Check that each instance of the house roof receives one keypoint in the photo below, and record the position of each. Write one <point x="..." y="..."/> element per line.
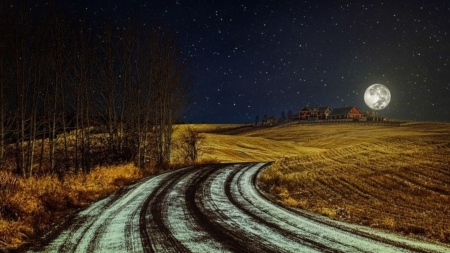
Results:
<point x="316" y="108"/>
<point x="323" y="108"/>
<point x="305" y="109"/>
<point x="342" y="110"/>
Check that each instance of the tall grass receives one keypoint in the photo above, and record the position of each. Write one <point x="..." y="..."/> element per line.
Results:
<point x="28" y="207"/>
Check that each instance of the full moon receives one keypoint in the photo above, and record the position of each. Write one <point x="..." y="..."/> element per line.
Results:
<point x="377" y="96"/>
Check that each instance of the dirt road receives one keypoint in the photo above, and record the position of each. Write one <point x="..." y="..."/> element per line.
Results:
<point x="214" y="208"/>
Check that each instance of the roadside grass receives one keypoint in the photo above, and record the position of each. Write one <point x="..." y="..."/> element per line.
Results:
<point x="395" y="178"/>
<point x="29" y="207"/>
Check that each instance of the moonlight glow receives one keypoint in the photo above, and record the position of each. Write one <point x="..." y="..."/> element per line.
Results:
<point x="377" y="96"/>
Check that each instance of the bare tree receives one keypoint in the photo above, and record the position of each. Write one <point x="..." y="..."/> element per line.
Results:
<point x="3" y="84"/>
<point x="190" y="144"/>
<point x="57" y="76"/>
<point x="154" y="84"/>
<point x="107" y="88"/>
<point x="23" y="57"/>
<point x="127" y="93"/>
<point x="79" y="102"/>
<point x="170" y="85"/>
<point x="3" y="105"/>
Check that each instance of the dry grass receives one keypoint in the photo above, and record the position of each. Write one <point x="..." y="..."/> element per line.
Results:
<point x="206" y="127"/>
<point x="396" y="178"/>
<point x="238" y="148"/>
<point x="28" y="207"/>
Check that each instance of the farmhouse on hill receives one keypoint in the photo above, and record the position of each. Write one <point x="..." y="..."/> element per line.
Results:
<point x="349" y="112"/>
<point x="312" y="113"/>
<point x="325" y="112"/>
<point x="321" y="112"/>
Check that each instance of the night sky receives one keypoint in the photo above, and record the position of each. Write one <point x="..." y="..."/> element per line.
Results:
<point x="252" y="58"/>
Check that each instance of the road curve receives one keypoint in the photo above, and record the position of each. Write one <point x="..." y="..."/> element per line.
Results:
<point x="214" y="208"/>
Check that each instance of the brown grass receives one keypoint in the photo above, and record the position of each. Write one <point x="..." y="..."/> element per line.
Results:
<point x="28" y="207"/>
<point x="238" y="148"/>
<point x="396" y="178"/>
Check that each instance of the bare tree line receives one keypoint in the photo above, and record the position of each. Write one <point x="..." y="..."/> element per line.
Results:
<point x="73" y="96"/>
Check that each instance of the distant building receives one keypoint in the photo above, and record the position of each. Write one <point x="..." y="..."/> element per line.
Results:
<point x="349" y="112"/>
<point x="372" y="116"/>
<point x="323" y="112"/>
<point x="312" y="113"/>
<point x="367" y="114"/>
<point x="304" y="113"/>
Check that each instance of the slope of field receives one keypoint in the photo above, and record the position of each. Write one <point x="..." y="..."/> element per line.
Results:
<point x="396" y="178"/>
<point x="239" y="143"/>
<point x="238" y="148"/>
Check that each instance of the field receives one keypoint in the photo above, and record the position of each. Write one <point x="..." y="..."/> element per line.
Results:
<point x="394" y="178"/>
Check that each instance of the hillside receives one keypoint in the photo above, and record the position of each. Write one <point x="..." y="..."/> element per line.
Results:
<point x="396" y="178"/>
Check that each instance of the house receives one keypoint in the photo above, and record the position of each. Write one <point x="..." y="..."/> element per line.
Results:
<point x="367" y="114"/>
<point x="349" y="112"/>
<point x="314" y="113"/>
<point x="304" y="113"/>
<point x="323" y="112"/>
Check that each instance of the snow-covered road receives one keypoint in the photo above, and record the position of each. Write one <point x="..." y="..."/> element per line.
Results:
<point x="214" y="208"/>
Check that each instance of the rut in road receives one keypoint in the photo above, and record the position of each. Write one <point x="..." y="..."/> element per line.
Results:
<point x="213" y="221"/>
<point x="214" y="208"/>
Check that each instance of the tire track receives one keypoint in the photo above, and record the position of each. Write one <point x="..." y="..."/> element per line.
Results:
<point x="91" y="223"/>
<point x="257" y="236"/>
<point x="219" y="222"/>
<point x="151" y="219"/>
<point x="183" y="220"/>
<point x="302" y="230"/>
<point x="263" y="220"/>
<point x="214" y="228"/>
<point x="115" y="212"/>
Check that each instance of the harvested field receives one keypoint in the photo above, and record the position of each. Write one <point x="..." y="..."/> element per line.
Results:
<point x="390" y="177"/>
<point x="393" y="178"/>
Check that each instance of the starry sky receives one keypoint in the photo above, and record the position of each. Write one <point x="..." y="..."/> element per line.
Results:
<point x="256" y="58"/>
